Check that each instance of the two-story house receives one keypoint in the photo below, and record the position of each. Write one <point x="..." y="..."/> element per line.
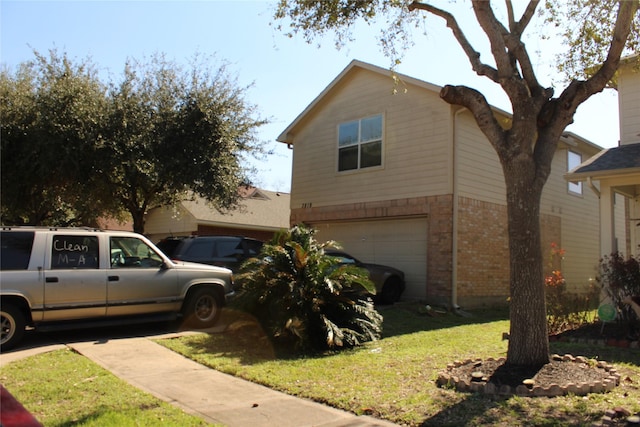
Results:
<point x="615" y="173"/>
<point x="402" y="178"/>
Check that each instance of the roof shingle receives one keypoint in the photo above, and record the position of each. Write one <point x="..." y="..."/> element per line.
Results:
<point x="618" y="159"/>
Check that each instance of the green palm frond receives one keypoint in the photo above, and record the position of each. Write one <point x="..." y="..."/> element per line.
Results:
<point x="305" y="299"/>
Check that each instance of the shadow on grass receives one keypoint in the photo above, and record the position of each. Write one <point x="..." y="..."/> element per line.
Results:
<point x="408" y="318"/>
<point x="474" y="409"/>
<point x="244" y="339"/>
<point x="78" y="332"/>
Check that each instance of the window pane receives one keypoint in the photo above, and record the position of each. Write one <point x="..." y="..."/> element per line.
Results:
<point x="575" y="187"/>
<point x="231" y="248"/>
<point x="15" y="251"/>
<point x="573" y="161"/>
<point x="132" y="252"/>
<point x="348" y="134"/>
<point x="371" y="154"/>
<point x="74" y="252"/>
<point x="348" y="158"/>
<point x="200" y="250"/>
<point x="371" y="128"/>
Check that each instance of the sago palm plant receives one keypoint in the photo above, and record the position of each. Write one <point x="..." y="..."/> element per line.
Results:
<point x="304" y="299"/>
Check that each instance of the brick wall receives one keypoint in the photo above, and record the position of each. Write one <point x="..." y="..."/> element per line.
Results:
<point x="483" y="243"/>
<point x="437" y="209"/>
<point x="439" y="249"/>
<point x="483" y="251"/>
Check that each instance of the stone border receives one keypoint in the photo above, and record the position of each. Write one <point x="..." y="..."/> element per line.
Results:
<point x="445" y="379"/>
<point x="603" y="342"/>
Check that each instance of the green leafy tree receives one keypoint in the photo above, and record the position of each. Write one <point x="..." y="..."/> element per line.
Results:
<point x="304" y="299"/>
<point x="75" y="149"/>
<point x="598" y="34"/>
<point x="52" y="113"/>
<point x="174" y="134"/>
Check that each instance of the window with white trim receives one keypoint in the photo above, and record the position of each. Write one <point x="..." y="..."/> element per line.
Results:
<point x="360" y="143"/>
<point x="574" y="160"/>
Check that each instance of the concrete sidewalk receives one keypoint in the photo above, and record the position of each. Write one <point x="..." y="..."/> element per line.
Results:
<point x="207" y="393"/>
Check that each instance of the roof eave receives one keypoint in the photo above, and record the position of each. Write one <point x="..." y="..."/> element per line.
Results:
<point x="287" y="136"/>
<point x="239" y="225"/>
<point x="601" y="175"/>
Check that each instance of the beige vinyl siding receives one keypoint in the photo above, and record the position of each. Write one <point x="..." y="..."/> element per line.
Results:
<point x="579" y="214"/>
<point x="415" y="122"/>
<point x="480" y="174"/>
<point x="480" y="177"/>
<point x="167" y="221"/>
<point x="629" y="102"/>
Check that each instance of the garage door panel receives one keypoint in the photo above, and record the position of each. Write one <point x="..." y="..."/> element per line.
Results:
<point x="400" y="243"/>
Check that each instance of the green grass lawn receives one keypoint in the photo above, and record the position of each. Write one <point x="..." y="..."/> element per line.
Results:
<point x="62" y="388"/>
<point x="394" y="378"/>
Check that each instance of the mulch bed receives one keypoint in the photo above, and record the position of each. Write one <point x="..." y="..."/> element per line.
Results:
<point x="561" y="376"/>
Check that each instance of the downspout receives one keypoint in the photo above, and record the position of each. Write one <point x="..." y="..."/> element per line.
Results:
<point x="455" y="205"/>
<point x="593" y="187"/>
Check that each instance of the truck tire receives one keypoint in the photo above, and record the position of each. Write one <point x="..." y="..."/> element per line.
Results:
<point x="12" y="322"/>
<point x="202" y="308"/>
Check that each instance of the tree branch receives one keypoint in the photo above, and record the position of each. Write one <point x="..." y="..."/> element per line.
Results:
<point x="474" y="56"/>
<point x="510" y="14"/>
<point x="524" y="21"/>
<point x="511" y="55"/>
<point x="497" y="35"/>
<point x="579" y="91"/>
<point x="475" y="102"/>
<point x="621" y="31"/>
<point x="515" y="45"/>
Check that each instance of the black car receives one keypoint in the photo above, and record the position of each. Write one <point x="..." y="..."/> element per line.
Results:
<point x="389" y="281"/>
<point x="223" y="251"/>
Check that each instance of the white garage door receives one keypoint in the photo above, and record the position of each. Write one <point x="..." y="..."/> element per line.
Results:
<point x="400" y="243"/>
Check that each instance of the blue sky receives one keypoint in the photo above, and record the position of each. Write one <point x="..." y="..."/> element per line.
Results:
<point x="286" y="73"/>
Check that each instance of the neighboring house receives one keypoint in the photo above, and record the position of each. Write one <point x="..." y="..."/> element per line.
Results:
<point x="107" y="223"/>
<point x="402" y="178"/>
<point x="614" y="174"/>
<point x="260" y="214"/>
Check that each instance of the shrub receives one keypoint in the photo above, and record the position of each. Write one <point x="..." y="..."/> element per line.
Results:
<point x="565" y="310"/>
<point x="304" y="299"/>
<point x="620" y="278"/>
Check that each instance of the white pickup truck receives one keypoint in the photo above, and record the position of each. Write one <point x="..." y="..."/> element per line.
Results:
<point x="76" y="277"/>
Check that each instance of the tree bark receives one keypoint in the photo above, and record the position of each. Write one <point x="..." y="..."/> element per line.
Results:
<point x="528" y="337"/>
<point x="138" y="220"/>
<point x="526" y="149"/>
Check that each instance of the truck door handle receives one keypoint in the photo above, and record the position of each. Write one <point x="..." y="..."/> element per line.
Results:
<point x="51" y="280"/>
<point x="114" y="278"/>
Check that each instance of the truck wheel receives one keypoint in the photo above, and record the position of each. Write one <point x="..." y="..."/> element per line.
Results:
<point x="202" y="308"/>
<point x="12" y="323"/>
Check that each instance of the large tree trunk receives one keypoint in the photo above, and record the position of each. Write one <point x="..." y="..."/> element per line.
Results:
<point x="528" y="338"/>
<point x="138" y="220"/>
